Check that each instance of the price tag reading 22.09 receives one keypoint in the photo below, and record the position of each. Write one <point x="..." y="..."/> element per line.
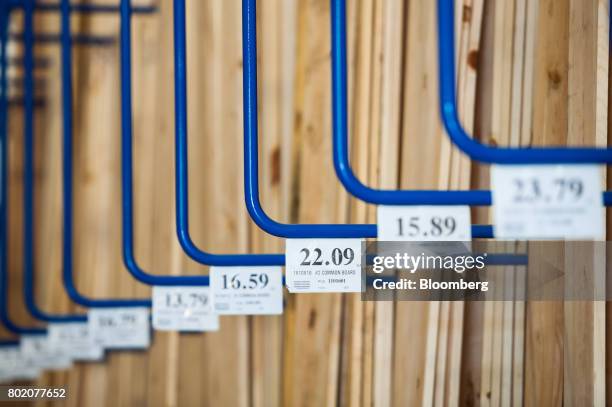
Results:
<point x="247" y="290"/>
<point x="323" y="265"/>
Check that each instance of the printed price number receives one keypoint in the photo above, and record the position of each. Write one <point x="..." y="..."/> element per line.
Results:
<point x="424" y="223"/>
<point x="186" y="300"/>
<point x="236" y="281"/>
<point x="247" y="290"/>
<point x="531" y="190"/>
<point x="339" y="257"/>
<point x="436" y="226"/>
<point x="118" y="321"/>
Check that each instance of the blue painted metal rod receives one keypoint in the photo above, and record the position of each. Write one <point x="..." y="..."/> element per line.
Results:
<point x="472" y="147"/>
<point x="28" y="189"/>
<point x="77" y="39"/>
<point x="93" y="8"/>
<point x="4" y="272"/>
<point x="39" y="62"/>
<point x="182" y="183"/>
<point x="341" y="146"/>
<point x="340" y="119"/>
<point x="67" y="176"/>
<point x="20" y="102"/>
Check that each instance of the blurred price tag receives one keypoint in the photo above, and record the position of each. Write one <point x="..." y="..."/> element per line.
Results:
<point x="323" y="265"/>
<point x="247" y="290"/>
<point x="74" y="340"/>
<point x="14" y="367"/>
<point x="120" y="328"/>
<point x="548" y="202"/>
<point x="187" y="309"/>
<point x="37" y="352"/>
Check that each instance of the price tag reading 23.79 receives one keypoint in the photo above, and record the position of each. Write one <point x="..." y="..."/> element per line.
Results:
<point x="323" y="265"/>
<point x="548" y="202"/>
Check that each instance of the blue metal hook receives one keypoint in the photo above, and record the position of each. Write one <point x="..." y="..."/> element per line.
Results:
<point x="4" y="274"/>
<point x="475" y="149"/>
<point x="129" y="258"/>
<point x="28" y="189"/>
<point x="341" y="148"/>
<point x="251" y="165"/>
<point x="182" y="184"/>
<point x="93" y="8"/>
<point x="78" y="39"/>
<point x="67" y="192"/>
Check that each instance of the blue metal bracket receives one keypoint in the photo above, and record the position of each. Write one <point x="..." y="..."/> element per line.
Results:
<point x="67" y="172"/>
<point x="77" y="39"/>
<point x="182" y="184"/>
<point x="472" y="147"/>
<point x="341" y="147"/>
<point x="28" y="189"/>
<point x="4" y="273"/>
<point x="251" y="165"/>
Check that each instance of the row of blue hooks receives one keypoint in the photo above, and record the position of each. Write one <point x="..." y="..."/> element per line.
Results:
<point x="66" y="39"/>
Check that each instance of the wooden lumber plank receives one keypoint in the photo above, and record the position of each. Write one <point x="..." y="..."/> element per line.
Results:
<point x="587" y="125"/>
<point x="544" y="320"/>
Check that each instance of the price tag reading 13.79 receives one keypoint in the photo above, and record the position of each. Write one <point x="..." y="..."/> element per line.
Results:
<point x="548" y="202"/>
<point x="186" y="309"/>
<point x="323" y="265"/>
<point x="247" y="290"/>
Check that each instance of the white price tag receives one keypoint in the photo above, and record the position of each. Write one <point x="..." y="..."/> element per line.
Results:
<point x="37" y="352"/>
<point x="74" y="340"/>
<point x="187" y="309"/>
<point x="247" y="290"/>
<point x="120" y="328"/>
<point x="424" y="223"/>
<point x="14" y="367"/>
<point x="548" y="202"/>
<point x="323" y="265"/>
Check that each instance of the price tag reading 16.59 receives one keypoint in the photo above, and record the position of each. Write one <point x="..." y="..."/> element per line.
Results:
<point x="548" y="201"/>
<point x="323" y="265"/>
<point x="247" y="290"/>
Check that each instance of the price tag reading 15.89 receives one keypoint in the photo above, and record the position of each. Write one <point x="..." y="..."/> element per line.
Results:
<point x="424" y="223"/>
<point x="247" y="290"/>
<point x="323" y="265"/>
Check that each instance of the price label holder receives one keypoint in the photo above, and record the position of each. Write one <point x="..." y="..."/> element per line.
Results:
<point x="75" y="340"/>
<point x="424" y="223"/>
<point x="120" y="328"/>
<point x="323" y="265"/>
<point x="548" y="202"/>
<point x="14" y="367"/>
<point x="247" y="290"/>
<point x="186" y="309"/>
<point x="36" y="352"/>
